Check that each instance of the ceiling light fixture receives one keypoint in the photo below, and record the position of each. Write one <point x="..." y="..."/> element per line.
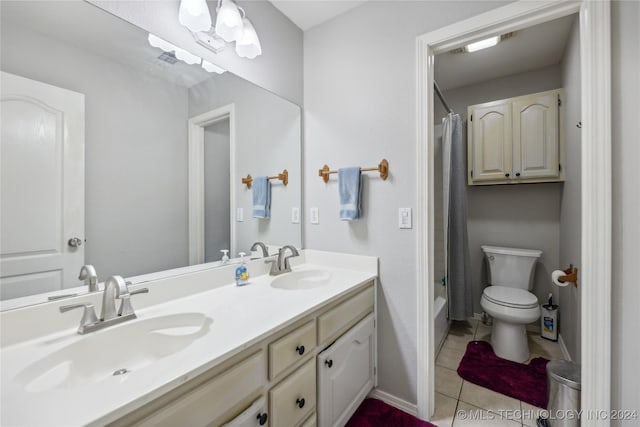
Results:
<point x="482" y="44"/>
<point x="194" y="14"/>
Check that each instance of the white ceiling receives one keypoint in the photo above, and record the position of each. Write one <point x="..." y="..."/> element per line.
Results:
<point x="309" y="13"/>
<point x="529" y="49"/>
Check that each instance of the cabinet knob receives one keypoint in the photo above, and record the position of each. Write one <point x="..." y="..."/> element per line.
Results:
<point x="507" y="175"/>
<point x="300" y="350"/>
<point x="517" y="173"/>
<point x="329" y="362"/>
<point x="300" y="403"/>
<point x="262" y="418"/>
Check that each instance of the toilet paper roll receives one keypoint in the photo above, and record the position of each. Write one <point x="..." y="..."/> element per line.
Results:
<point x="555" y="275"/>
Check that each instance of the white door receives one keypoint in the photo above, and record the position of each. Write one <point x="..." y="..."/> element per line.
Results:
<point x="490" y="142"/>
<point x="42" y="206"/>
<point x="535" y="135"/>
<point x="346" y="374"/>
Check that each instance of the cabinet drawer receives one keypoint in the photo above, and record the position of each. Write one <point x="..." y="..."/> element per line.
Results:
<point x="311" y="421"/>
<point x="208" y="402"/>
<point x="252" y="416"/>
<point x="287" y="407"/>
<point x="339" y="319"/>
<point x="291" y="348"/>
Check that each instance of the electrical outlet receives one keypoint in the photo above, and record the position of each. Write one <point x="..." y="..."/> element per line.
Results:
<point x="295" y="215"/>
<point x="404" y="217"/>
<point x="314" y="214"/>
<point x="240" y="214"/>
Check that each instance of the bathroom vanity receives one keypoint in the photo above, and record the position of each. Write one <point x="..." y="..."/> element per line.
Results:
<point x="297" y="349"/>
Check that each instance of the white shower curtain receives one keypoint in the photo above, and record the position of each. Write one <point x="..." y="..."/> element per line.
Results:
<point x="454" y="202"/>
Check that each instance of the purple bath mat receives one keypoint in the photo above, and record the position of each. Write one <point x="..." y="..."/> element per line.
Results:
<point x="528" y="383"/>
<point x="376" y="413"/>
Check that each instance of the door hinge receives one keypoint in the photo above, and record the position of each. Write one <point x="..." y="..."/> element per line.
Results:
<point x="559" y="101"/>
<point x="471" y="173"/>
<point x="375" y="370"/>
<point x="471" y="118"/>
<point x="374" y="323"/>
<point x="560" y="167"/>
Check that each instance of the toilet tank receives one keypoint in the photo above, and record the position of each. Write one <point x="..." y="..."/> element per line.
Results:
<point x="511" y="267"/>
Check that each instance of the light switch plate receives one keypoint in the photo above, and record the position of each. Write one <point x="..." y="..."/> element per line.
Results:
<point x="404" y="218"/>
<point x="295" y="215"/>
<point x="314" y="215"/>
<point x="240" y="214"/>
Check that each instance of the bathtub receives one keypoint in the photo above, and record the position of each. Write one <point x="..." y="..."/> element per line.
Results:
<point x="440" y="321"/>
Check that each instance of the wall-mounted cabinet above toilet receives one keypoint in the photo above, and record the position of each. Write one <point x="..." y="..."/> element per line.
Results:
<point x="516" y="140"/>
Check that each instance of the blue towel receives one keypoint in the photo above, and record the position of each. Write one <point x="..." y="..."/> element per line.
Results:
<point x="349" y="187"/>
<point x="261" y="197"/>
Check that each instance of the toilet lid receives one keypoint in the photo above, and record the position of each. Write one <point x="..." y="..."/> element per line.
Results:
<point x="510" y="297"/>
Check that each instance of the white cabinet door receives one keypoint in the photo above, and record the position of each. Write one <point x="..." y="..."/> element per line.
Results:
<point x="490" y="142"/>
<point x="42" y="186"/>
<point x="535" y="136"/>
<point x="346" y="374"/>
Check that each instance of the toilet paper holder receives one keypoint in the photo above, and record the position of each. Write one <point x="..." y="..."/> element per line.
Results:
<point x="571" y="275"/>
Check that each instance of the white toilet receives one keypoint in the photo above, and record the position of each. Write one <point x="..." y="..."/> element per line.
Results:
<point x="508" y="300"/>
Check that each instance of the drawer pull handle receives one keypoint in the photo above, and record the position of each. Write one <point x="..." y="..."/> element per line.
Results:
<point x="262" y="418"/>
<point x="300" y="350"/>
<point x="329" y="362"/>
<point x="300" y="403"/>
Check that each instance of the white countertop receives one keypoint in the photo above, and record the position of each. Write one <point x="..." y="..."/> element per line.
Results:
<point x="241" y="317"/>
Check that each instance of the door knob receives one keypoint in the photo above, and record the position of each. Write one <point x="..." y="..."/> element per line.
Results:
<point x="74" y="242"/>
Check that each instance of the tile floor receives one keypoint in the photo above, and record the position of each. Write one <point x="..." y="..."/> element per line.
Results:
<point x="457" y="400"/>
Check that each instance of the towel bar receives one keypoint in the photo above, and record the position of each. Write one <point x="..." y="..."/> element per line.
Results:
<point x="284" y="177"/>
<point x="383" y="168"/>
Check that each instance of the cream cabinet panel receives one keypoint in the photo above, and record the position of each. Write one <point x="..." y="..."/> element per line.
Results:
<point x="491" y="151"/>
<point x="346" y="374"/>
<point x="211" y="401"/>
<point x="311" y="422"/>
<point x="294" y="399"/>
<point x="254" y="416"/>
<point x="516" y="140"/>
<point x="535" y="135"/>
<point x="337" y="320"/>
<point x="291" y="348"/>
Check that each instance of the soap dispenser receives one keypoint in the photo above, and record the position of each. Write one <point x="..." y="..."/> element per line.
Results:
<point x="225" y="256"/>
<point x="242" y="274"/>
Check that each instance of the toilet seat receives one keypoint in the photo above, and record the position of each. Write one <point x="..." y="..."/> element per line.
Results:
<point x="510" y="297"/>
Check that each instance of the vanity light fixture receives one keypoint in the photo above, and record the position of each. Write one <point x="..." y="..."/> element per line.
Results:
<point x="194" y="14"/>
<point x="248" y="45"/>
<point x="180" y="53"/>
<point x="228" y="21"/>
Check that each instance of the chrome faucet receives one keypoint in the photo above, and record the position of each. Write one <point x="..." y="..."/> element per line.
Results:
<point x="114" y="288"/>
<point x="282" y="265"/>
<point x="90" y="277"/>
<point x="262" y="246"/>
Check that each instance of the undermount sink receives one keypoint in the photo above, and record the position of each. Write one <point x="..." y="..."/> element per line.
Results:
<point x="302" y="280"/>
<point x="116" y="351"/>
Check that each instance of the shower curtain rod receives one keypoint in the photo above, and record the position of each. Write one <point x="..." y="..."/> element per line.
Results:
<point x="446" y="106"/>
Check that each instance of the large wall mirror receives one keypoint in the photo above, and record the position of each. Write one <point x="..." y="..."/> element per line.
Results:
<point x="96" y="160"/>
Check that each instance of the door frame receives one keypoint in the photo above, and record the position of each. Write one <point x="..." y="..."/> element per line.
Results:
<point x="196" y="179"/>
<point x="595" y="68"/>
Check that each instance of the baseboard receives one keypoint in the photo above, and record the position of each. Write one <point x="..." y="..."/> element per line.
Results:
<point x="563" y="348"/>
<point x="394" y="401"/>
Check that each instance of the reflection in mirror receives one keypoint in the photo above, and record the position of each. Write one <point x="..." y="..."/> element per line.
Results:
<point x="97" y="146"/>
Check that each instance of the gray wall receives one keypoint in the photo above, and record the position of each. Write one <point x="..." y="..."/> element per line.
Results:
<point x="135" y="169"/>
<point x="278" y="69"/>
<point x="625" y="67"/>
<point x="570" y="211"/>
<point x="267" y="141"/>
<point x="216" y="190"/>
<point x="359" y="80"/>
<point x="521" y="216"/>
